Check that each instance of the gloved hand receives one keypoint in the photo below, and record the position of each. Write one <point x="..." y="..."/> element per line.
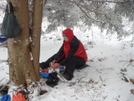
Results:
<point x="55" y="65"/>
<point x="52" y="63"/>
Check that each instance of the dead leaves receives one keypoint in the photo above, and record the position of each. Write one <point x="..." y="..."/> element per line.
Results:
<point x="92" y="82"/>
<point x="127" y="79"/>
<point x="91" y="60"/>
<point x="43" y="92"/>
<point x="99" y="59"/>
<point x="132" y="80"/>
<point x="132" y="91"/>
<point x="102" y="59"/>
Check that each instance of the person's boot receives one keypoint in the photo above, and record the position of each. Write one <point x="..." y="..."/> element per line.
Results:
<point x="67" y="77"/>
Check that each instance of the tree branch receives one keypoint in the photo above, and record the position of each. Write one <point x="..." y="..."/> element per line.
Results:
<point x="63" y="12"/>
<point x="83" y="7"/>
<point x="80" y="6"/>
<point x="111" y="1"/>
<point x="2" y="80"/>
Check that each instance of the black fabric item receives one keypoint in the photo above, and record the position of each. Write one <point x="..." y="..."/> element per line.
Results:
<point x="9" y="8"/>
<point x="3" y="91"/>
<point x="43" y="65"/>
<point x="52" y="80"/>
<point x="10" y="26"/>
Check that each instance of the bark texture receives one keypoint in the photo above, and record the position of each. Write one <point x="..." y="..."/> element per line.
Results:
<point x="24" y="50"/>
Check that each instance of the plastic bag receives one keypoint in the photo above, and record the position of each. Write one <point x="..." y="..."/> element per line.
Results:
<point x="10" y="26"/>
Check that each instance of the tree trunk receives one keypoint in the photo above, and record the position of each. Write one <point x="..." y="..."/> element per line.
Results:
<point x="36" y="33"/>
<point x="24" y="60"/>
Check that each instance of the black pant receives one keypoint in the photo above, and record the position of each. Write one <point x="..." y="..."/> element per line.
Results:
<point x="73" y="63"/>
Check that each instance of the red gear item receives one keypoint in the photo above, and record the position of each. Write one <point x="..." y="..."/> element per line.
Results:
<point x="45" y="70"/>
<point x="18" y="97"/>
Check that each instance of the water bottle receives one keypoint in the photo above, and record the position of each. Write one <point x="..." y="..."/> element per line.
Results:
<point x="61" y="69"/>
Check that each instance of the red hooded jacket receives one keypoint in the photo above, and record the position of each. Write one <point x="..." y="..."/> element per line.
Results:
<point x="80" y="52"/>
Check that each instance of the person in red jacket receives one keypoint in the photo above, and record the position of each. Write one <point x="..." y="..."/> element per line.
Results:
<point x="72" y="55"/>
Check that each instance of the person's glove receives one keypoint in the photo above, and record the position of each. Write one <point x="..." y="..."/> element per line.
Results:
<point x="55" y="65"/>
<point x="52" y="63"/>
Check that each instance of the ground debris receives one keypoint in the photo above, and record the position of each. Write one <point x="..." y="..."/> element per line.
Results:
<point x="132" y="80"/>
<point x="43" y="92"/>
<point x="125" y="79"/>
<point x="132" y="91"/>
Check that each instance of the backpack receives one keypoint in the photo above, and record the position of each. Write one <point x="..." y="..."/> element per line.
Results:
<point x="10" y="27"/>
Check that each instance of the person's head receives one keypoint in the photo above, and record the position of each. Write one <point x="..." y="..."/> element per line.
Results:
<point x="65" y="37"/>
<point x="68" y="35"/>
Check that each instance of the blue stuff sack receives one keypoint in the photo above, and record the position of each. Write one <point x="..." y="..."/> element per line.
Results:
<point x="44" y="74"/>
<point x="6" y="97"/>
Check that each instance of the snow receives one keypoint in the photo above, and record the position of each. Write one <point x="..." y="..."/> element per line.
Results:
<point x="104" y="78"/>
<point x="101" y="81"/>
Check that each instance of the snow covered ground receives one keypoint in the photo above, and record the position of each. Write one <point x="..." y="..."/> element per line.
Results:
<point x="109" y="76"/>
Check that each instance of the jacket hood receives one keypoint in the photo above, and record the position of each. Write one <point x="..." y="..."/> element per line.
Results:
<point x="69" y="33"/>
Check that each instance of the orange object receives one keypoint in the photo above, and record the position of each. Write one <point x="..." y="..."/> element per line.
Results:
<point x="45" y="70"/>
<point x="18" y="97"/>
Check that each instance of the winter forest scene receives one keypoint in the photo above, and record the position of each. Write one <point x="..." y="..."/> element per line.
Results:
<point x="31" y="31"/>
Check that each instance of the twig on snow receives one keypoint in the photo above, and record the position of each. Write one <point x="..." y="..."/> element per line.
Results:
<point x="2" y="79"/>
<point x="130" y="61"/>
<point x="3" y="61"/>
